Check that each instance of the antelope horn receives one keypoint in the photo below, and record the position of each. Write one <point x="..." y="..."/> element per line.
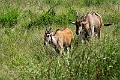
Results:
<point x="76" y="16"/>
<point x="46" y="26"/>
<point x="50" y="28"/>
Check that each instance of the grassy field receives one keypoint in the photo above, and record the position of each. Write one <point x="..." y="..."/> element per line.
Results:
<point x="24" y="57"/>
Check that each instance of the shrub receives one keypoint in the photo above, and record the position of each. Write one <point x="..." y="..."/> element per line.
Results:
<point x="71" y="14"/>
<point x="61" y="19"/>
<point x="66" y="18"/>
<point x="9" y="17"/>
<point x="45" y="17"/>
<point x="26" y="18"/>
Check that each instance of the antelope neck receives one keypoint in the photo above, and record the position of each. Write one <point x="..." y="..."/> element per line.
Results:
<point x="53" y="40"/>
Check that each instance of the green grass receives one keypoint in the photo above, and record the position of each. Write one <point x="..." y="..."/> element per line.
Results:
<point x="24" y="57"/>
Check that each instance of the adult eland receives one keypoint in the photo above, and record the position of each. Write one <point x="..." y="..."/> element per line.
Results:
<point x="61" y="39"/>
<point x="89" y="25"/>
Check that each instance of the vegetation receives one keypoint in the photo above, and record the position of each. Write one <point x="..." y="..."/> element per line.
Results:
<point x="24" y="57"/>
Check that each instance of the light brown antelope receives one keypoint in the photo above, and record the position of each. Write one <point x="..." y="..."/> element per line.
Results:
<point x="61" y="39"/>
<point x="89" y="25"/>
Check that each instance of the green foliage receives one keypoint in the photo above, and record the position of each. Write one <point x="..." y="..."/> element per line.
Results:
<point x="61" y="19"/>
<point x="51" y="17"/>
<point x="116" y="30"/>
<point x="25" y="18"/>
<point x="45" y="17"/>
<point x="65" y="18"/>
<point x="99" y="2"/>
<point x="9" y="17"/>
<point x="112" y="17"/>
<point x="71" y="14"/>
<point x="93" y="2"/>
<point x="106" y="63"/>
<point x="51" y="2"/>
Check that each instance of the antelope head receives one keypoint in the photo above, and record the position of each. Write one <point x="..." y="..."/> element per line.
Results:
<point x="47" y="36"/>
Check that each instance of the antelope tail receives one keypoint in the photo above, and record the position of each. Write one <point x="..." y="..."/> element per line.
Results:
<point x="107" y="24"/>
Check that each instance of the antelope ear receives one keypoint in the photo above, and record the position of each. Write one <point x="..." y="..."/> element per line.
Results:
<point x="51" y="33"/>
<point x="73" y="23"/>
<point x="50" y="29"/>
<point x="46" y="31"/>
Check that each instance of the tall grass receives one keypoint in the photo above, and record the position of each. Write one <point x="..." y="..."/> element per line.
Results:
<point x="24" y="57"/>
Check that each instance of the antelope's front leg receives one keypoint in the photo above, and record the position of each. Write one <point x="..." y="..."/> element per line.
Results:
<point x="82" y="37"/>
<point x="61" y="50"/>
<point x="92" y="31"/>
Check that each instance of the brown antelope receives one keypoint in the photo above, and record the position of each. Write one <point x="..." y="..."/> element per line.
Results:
<point x="61" y="39"/>
<point x="89" y="25"/>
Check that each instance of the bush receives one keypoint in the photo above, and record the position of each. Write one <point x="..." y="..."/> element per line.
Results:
<point x="66" y="18"/>
<point x="26" y="18"/>
<point x="9" y="17"/>
<point x="45" y="17"/>
<point x="61" y="19"/>
<point x="71" y="14"/>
